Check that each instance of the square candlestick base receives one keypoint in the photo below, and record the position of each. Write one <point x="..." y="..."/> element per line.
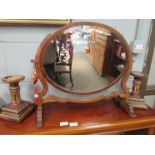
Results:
<point x="138" y="103"/>
<point x="16" y="113"/>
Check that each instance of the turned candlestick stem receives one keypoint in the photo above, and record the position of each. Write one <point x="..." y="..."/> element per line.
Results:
<point x="14" y="88"/>
<point x="15" y="94"/>
<point x="135" y="98"/>
<point x="137" y="82"/>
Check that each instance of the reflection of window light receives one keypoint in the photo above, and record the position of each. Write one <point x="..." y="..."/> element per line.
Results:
<point x="123" y="55"/>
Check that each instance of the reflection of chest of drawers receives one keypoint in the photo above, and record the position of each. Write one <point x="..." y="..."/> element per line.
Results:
<point x="99" y="51"/>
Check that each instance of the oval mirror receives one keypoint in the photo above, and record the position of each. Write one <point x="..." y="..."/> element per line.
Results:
<point x="84" y="58"/>
<point x="83" y="62"/>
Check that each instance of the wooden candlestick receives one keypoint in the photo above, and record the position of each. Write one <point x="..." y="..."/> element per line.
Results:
<point x="137" y="82"/>
<point x="135" y="98"/>
<point x="17" y="109"/>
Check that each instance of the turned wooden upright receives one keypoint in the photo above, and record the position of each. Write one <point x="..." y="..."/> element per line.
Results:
<point x="17" y="109"/>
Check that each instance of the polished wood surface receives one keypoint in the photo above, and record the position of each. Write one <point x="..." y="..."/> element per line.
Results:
<point x="99" y="118"/>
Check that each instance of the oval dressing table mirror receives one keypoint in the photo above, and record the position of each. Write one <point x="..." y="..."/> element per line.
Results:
<point x="83" y="62"/>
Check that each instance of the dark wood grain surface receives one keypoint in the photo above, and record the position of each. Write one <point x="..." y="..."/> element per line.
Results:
<point x="99" y="118"/>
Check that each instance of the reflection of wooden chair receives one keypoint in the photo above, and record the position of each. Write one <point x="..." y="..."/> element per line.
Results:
<point x="65" y="67"/>
<point x="49" y="58"/>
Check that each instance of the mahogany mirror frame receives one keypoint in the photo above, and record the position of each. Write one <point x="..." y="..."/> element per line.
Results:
<point x="123" y="96"/>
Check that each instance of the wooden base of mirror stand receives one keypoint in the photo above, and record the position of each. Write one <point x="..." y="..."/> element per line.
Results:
<point x="128" y="107"/>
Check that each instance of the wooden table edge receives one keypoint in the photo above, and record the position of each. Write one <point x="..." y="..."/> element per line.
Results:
<point x="105" y="128"/>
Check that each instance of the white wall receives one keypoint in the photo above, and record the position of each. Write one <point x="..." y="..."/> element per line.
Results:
<point x="18" y="46"/>
<point x="151" y="79"/>
<point x="124" y="26"/>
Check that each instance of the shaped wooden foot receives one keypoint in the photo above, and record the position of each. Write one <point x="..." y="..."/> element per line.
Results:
<point x="128" y="107"/>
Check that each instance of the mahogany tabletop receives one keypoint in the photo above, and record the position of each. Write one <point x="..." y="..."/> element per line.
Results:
<point x="98" y="118"/>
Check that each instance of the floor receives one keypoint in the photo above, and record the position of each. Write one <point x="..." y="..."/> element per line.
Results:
<point x="85" y="76"/>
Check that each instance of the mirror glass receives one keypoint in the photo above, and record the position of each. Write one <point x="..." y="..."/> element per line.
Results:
<point x="84" y="59"/>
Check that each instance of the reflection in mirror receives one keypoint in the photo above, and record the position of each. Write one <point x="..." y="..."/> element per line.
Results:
<point x="84" y="59"/>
